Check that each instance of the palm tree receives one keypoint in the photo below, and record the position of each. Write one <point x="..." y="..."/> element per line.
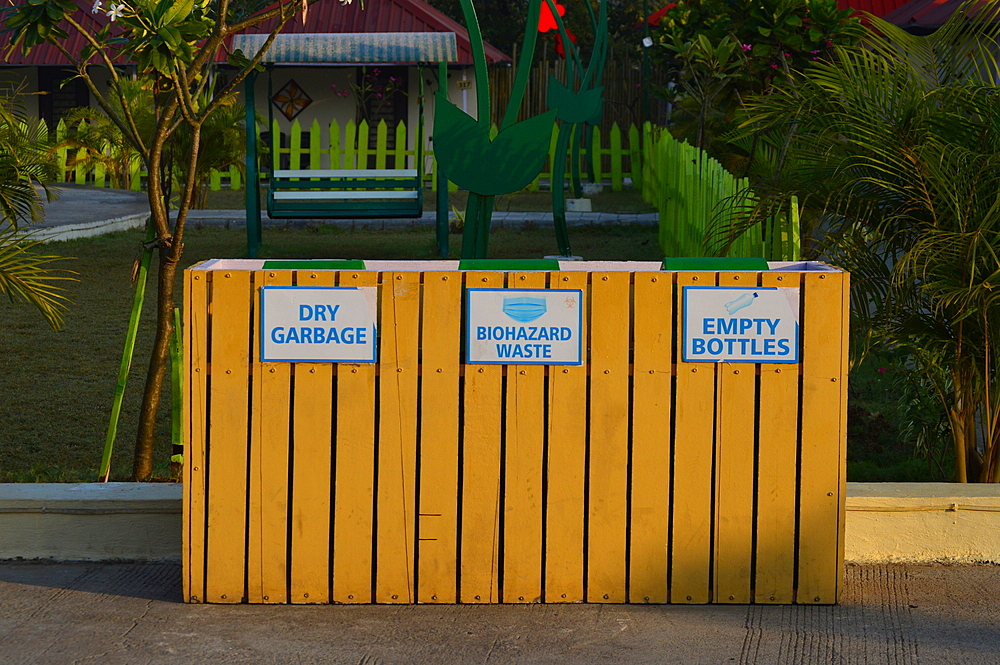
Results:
<point x="897" y="152"/>
<point x="25" y="162"/>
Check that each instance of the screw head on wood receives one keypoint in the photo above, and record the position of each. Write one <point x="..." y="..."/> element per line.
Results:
<point x="224" y="595"/>
<point x="312" y="370"/>
<point x="270" y="274"/>
<point x="435" y="597"/>
<point x="228" y="275"/>
<point x="350" y="597"/>
<point x="312" y="276"/>
<point x="266" y="598"/>
<point x="521" y="277"/>
<point x="565" y="279"/>
<point x="816" y="599"/>
<point x="653" y="280"/>
<point x="445" y="278"/>
<point x="735" y="277"/>
<point x="520" y="597"/>
<point x="477" y="598"/>
<point x="606" y="596"/>
<point x="395" y="597"/>
<point x="439" y="370"/>
<point x="399" y="369"/>
<point x="689" y="597"/>
<point x="564" y="595"/>
<point x="732" y="598"/>
<point x="605" y="278"/>
<point x="399" y="277"/>
<point x="305" y="595"/>
<point x="694" y="279"/>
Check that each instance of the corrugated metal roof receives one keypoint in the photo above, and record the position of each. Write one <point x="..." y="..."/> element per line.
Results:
<point x="371" y="47"/>
<point x="876" y="7"/>
<point x="324" y="17"/>
<point x="924" y="13"/>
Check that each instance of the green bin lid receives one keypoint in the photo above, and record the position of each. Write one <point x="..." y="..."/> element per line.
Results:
<point x="713" y="263"/>
<point x="506" y="265"/>
<point x="314" y="264"/>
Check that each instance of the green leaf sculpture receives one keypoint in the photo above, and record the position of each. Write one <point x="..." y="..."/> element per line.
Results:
<point x="574" y="106"/>
<point x="506" y="164"/>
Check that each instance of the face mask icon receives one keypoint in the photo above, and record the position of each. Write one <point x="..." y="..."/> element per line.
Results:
<point x="524" y="309"/>
<point x="744" y="300"/>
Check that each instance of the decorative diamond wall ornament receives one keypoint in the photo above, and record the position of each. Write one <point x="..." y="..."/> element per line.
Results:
<point x="291" y="99"/>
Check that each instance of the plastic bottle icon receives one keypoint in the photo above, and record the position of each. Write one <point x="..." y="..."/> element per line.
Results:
<point x="744" y="300"/>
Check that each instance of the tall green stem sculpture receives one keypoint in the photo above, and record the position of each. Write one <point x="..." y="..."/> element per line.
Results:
<point x="578" y="108"/>
<point x="487" y="167"/>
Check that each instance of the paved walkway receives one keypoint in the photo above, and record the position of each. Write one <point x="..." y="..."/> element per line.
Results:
<point x="82" y="211"/>
<point x="131" y="613"/>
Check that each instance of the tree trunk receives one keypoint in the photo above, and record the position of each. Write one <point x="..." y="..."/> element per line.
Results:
<point x="143" y="464"/>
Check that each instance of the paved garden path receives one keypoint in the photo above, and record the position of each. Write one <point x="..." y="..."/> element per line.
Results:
<point x="82" y="211"/>
<point x="131" y="613"/>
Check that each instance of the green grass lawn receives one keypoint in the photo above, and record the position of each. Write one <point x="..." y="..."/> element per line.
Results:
<point x="57" y="387"/>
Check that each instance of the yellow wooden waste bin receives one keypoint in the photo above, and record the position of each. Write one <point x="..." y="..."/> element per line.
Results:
<point x="648" y="458"/>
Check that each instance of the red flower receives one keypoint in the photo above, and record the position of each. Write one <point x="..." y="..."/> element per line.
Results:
<point x="546" y="21"/>
<point x="657" y="16"/>
<point x="559" y="43"/>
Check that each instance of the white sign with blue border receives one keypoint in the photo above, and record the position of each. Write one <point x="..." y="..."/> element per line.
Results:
<point x="318" y="324"/>
<point x="524" y="326"/>
<point x="758" y="324"/>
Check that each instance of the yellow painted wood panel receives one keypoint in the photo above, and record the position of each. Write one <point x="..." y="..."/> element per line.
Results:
<point x="437" y="547"/>
<point x="267" y="554"/>
<point x="735" y="402"/>
<point x="354" y="473"/>
<point x="693" y="459"/>
<point x="524" y="449"/>
<point x="609" y="413"/>
<point x="480" y="525"/>
<point x="196" y="396"/>
<point x="312" y="452"/>
<point x="397" y="441"/>
<point x="652" y="381"/>
<point x="567" y="461"/>
<point x="229" y="408"/>
<point x="823" y="392"/>
<point x="845" y="336"/>
<point x="735" y="487"/>
<point x="776" y="473"/>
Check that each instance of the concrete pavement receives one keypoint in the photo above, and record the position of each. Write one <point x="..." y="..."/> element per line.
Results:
<point x="131" y="613"/>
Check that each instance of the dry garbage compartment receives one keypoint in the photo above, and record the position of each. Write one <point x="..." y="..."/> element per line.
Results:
<point x="517" y="432"/>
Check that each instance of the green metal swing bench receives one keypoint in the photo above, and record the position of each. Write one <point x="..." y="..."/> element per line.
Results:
<point x="342" y="193"/>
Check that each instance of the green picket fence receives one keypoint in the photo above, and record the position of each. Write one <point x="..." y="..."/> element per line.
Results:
<point x="615" y="157"/>
<point x="696" y="197"/>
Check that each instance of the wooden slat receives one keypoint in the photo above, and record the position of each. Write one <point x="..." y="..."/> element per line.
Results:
<point x="736" y="401"/>
<point x="312" y="432"/>
<point x="346" y="173"/>
<point x="652" y="381"/>
<point x="341" y="194"/>
<point x="195" y="377"/>
<point x="437" y="549"/>
<point x="525" y="441"/>
<point x="845" y="336"/>
<point x="397" y="441"/>
<point x="267" y="554"/>
<point x="823" y="394"/>
<point x="354" y="473"/>
<point x="566" y="464"/>
<point x="693" y="460"/>
<point x="776" y="463"/>
<point x="227" y="436"/>
<point x="608" y="447"/>
<point x="480" y="525"/>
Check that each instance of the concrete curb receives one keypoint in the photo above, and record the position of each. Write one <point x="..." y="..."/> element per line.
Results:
<point x="89" y="229"/>
<point x="923" y="523"/>
<point x="886" y="522"/>
<point x="90" y="521"/>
